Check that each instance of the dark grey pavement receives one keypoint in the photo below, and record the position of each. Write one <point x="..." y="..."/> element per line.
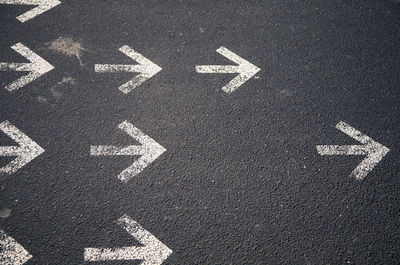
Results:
<point x="241" y="181"/>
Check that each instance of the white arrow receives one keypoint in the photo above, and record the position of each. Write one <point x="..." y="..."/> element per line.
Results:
<point x="146" y="68"/>
<point x="149" y="150"/>
<point x="42" y="6"/>
<point x="373" y="150"/>
<point x="153" y="251"/>
<point x="37" y="67"/>
<point x="25" y="152"/>
<point x="245" y="69"/>
<point x="12" y="252"/>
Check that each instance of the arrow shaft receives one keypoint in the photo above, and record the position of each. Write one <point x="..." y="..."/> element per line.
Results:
<point x="113" y="68"/>
<point x="10" y="151"/>
<point x="222" y="69"/>
<point x="123" y="253"/>
<point x="342" y="150"/>
<point x="110" y="150"/>
<point x="20" y="67"/>
<point x="20" y="2"/>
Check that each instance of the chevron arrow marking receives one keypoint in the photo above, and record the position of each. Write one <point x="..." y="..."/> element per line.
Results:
<point x="373" y="150"/>
<point x="153" y="251"/>
<point x="146" y="68"/>
<point x="245" y="69"/>
<point x="36" y="68"/>
<point x="25" y="152"/>
<point x="149" y="150"/>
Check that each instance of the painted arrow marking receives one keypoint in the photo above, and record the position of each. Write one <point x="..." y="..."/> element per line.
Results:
<point x="245" y="69"/>
<point x="42" y="6"/>
<point x="149" y="150"/>
<point x="12" y="252"/>
<point x="146" y="68"/>
<point x="25" y="152"/>
<point x="373" y="150"/>
<point x="153" y="251"/>
<point x="36" y="68"/>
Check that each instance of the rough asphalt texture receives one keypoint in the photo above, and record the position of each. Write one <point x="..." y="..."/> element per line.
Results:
<point x="241" y="181"/>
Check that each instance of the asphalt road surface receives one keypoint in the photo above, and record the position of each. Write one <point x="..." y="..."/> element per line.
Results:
<point x="131" y="152"/>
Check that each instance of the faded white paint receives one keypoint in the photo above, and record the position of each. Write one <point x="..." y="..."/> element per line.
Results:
<point x="11" y="252"/>
<point x="36" y="68"/>
<point x="25" y="152"/>
<point x="42" y="6"/>
<point x="245" y="69"/>
<point x="146" y="68"/>
<point x="373" y="150"/>
<point x="149" y="150"/>
<point x="153" y="251"/>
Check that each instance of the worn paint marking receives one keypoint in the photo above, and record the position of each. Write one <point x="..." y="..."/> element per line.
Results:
<point x="42" y="6"/>
<point x="36" y="68"/>
<point x="12" y="253"/>
<point x="146" y="68"/>
<point x="153" y="251"/>
<point x="149" y="150"/>
<point x="373" y="150"/>
<point x="25" y="152"/>
<point x="245" y="69"/>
